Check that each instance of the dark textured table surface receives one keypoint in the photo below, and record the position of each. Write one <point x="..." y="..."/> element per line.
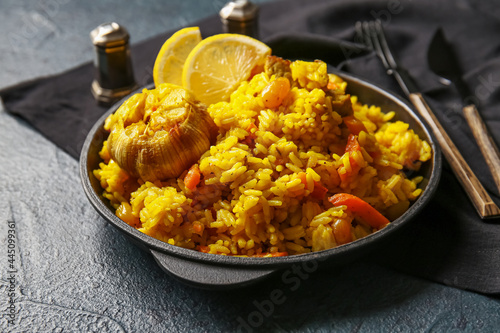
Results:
<point x="72" y="272"/>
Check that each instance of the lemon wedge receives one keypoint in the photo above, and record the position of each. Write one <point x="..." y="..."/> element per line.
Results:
<point x="219" y="63"/>
<point x="170" y="60"/>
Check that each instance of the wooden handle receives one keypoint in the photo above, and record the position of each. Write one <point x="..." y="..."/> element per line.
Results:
<point x="485" y="207"/>
<point x="485" y="142"/>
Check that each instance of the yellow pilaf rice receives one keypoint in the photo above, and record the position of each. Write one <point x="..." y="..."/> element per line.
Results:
<point x="251" y="200"/>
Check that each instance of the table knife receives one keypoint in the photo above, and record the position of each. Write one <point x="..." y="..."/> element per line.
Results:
<point x="444" y="62"/>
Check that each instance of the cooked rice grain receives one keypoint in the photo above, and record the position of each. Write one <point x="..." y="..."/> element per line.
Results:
<point x="257" y="193"/>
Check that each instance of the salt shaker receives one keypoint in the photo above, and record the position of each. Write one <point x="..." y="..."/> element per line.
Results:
<point x="114" y="77"/>
<point x="240" y="17"/>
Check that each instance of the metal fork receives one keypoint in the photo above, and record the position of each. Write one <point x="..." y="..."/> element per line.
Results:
<point x="372" y="35"/>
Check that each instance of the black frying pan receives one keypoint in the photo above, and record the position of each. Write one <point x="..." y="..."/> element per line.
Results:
<point x="218" y="271"/>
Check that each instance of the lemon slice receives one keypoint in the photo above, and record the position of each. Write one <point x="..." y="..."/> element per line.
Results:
<point x="219" y="63"/>
<point x="170" y="60"/>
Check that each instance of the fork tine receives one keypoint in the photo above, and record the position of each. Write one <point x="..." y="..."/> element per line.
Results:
<point x="358" y="31"/>
<point x="373" y="32"/>
<point x="366" y="33"/>
<point x="377" y="25"/>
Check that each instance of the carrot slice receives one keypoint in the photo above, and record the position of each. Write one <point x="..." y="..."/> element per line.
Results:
<point x="360" y="207"/>
<point x="193" y="177"/>
<point x="279" y="161"/>
<point x="331" y="85"/>
<point x="352" y="144"/>
<point x="250" y="138"/>
<point x="351" y="147"/>
<point x="354" y="125"/>
<point x="198" y="228"/>
<point x="204" y="248"/>
<point x="252" y="128"/>
<point x="319" y="191"/>
<point x="303" y="178"/>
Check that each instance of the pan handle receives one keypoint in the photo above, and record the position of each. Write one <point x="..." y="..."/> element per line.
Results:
<point x="209" y="276"/>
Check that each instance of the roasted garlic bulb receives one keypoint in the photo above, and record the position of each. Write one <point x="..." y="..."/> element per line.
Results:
<point x="159" y="133"/>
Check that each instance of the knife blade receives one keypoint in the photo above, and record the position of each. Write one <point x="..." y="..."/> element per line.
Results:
<point x="444" y="62"/>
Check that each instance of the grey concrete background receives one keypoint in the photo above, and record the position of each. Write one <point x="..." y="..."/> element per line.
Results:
<point x="75" y="273"/>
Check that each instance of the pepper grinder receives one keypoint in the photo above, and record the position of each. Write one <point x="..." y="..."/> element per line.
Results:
<point x="240" y="17"/>
<point x="114" y="77"/>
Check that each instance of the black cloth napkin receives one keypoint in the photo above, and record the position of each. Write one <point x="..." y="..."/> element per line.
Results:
<point x="448" y="242"/>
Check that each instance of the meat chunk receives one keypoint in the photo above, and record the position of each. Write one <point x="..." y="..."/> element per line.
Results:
<point x="278" y="66"/>
<point x="341" y="103"/>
